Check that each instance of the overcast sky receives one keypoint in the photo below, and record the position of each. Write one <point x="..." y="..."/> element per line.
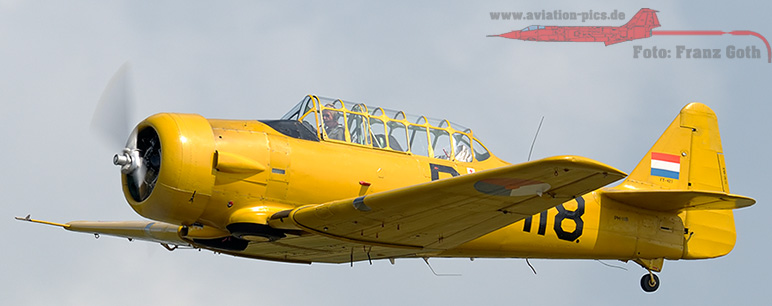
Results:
<point x="238" y="59"/>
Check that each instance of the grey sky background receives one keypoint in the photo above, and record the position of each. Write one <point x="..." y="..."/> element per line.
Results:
<point x="245" y="60"/>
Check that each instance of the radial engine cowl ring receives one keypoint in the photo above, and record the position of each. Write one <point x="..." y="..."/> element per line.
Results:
<point x="140" y="161"/>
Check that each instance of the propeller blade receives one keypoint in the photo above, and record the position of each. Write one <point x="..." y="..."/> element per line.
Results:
<point x="110" y="121"/>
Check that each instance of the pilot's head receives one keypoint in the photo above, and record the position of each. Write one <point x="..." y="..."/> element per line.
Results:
<point x="330" y="117"/>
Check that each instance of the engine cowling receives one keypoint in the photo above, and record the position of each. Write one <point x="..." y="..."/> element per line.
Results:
<point x="167" y="167"/>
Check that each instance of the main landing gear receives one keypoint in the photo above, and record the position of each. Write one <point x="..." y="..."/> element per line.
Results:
<point x="650" y="281"/>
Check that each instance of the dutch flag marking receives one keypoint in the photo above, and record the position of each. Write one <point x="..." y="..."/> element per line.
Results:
<point x="665" y="165"/>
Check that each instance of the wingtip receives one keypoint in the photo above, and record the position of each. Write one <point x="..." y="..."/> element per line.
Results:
<point x="29" y="219"/>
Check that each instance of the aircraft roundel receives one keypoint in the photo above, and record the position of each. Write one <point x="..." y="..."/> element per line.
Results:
<point x="511" y="187"/>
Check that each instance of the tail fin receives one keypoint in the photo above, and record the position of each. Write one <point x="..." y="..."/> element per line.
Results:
<point x="638" y="27"/>
<point x="645" y="18"/>
<point x="684" y="172"/>
<point x="688" y="156"/>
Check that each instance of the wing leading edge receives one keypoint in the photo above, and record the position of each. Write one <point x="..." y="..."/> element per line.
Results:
<point x="442" y="214"/>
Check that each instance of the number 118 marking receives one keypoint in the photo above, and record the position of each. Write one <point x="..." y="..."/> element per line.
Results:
<point x="563" y="214"/>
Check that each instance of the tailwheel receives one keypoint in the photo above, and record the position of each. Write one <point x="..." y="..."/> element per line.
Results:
<point x="650" y="282"/>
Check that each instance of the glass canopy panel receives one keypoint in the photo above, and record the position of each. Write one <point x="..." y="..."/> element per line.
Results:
<point x="442" y="123"/>
<point x="294" y="113"/>
<point x="378" y="133"/>
<point x="397" y="136"/>
<point x="415" y="119"/>
<point x="377" y="112"/>
<point x="440" y="140"/>
<point x="460" y="128"/>
<point x="331" y="103"/>
<point x="309" y="120"/>
<point x="480" y="153"/>
<point x="358" y="129"/>
<point x="462" y="148"/>
<point x="419" y="143"/>
<point x="357" y="107"/>
<point x="392" y="114"/>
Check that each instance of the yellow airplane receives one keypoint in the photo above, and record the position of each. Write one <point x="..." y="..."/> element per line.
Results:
<point x="337" y="182"/>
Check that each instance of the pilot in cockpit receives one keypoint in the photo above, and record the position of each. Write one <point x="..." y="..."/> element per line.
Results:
<point x="331" y="125"/>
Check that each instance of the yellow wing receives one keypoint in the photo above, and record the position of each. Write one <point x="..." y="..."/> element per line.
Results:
<point x="141" y="230"/>
<point x="442" y="214"/>
<point x="410" y="221"/>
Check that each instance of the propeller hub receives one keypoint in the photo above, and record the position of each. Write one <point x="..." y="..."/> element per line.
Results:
<point x="129" y="160"/>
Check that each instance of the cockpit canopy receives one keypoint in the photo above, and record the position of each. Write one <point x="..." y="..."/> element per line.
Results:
<point x="533" y="27"/>
<point x="336" y="120"/>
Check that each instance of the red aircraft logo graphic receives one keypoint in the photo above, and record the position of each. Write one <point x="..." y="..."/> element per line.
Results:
<point x="638" y="27"/>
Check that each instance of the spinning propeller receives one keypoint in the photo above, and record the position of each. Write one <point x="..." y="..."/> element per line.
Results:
<point x="140" y="158"/>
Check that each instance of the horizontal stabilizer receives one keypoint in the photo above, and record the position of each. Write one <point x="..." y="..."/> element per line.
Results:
<point x="679" y="200"/>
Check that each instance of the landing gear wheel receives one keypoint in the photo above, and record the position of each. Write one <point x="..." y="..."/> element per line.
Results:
<point x="649" y="282"/>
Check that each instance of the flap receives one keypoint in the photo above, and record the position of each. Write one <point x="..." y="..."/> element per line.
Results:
<point x="442" y="214"/>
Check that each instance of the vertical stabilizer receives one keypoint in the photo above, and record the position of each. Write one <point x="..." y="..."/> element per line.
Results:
<point x="688" y="157"/>
<point x="645" y="18"/>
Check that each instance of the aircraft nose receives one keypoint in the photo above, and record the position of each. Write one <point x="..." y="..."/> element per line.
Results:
<point x="511" y="35"/>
